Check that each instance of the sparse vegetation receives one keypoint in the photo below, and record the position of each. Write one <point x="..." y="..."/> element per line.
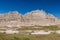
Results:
<point x="52" y="27"/>
<point x="23" y="36"/>
<point x="52" y="36"/>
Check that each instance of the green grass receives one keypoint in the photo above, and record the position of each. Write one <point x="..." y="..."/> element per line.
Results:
<point x="52" y="36"/>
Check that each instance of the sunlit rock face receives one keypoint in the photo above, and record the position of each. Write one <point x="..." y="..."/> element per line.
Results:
<point x="36" y="17"/>
<point x="40" y="17"/>
<point x="11" y="16"/>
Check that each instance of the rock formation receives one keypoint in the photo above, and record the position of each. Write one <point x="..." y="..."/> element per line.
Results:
<point x="36" y="17"/>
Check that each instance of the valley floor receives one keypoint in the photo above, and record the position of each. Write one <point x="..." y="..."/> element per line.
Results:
<point x="30" y="33"/>
<point x="52" y="36"/>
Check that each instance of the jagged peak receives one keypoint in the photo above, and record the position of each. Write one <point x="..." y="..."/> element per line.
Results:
<point x="13" y="12"/>
<point x="10" y="12"/>
<point x="37" y="11"/>
<point x="34" y="12"/>
<point x="51" y="16"/>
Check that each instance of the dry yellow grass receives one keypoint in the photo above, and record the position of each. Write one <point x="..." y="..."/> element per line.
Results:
<point x="52" y="36"/>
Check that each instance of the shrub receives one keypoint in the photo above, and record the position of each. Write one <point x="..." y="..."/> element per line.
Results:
<point x="26" y="38"/>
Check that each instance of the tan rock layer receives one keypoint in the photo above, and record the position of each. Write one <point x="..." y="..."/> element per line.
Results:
<point x="37" y="17"/>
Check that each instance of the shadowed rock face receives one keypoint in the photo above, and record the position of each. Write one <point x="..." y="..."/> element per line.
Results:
<point x="37" y="17"/>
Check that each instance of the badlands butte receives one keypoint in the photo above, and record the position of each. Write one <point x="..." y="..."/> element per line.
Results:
<point x="36" y="17"/>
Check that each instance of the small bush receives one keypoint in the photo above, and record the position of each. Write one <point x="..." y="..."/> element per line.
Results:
<point x="26" y="38"/>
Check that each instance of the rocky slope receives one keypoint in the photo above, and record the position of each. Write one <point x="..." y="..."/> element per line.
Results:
<point x="36" y="17"/>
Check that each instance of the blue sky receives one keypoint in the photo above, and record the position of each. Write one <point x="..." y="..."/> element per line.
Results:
<point x="23" y="6"/>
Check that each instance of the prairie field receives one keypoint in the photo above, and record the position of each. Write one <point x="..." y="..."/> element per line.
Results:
<point x="52" y="36"/>
<point x="29" y="36"/>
